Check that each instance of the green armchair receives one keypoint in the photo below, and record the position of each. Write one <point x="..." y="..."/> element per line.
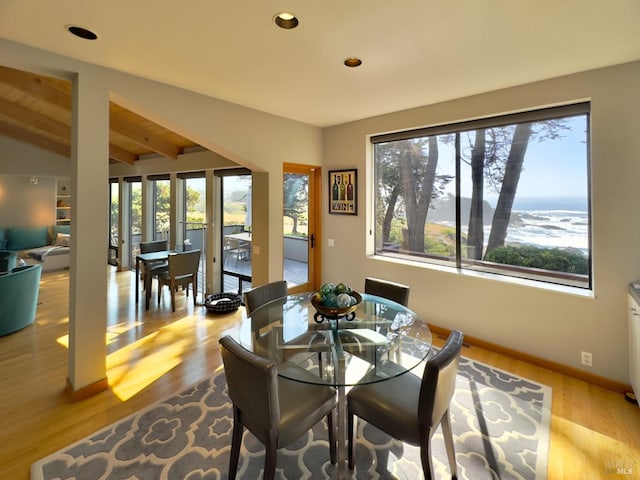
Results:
<point x="19" y="298"/>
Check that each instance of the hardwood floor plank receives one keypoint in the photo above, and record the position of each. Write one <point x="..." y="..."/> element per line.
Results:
<point x="591" y="428"/>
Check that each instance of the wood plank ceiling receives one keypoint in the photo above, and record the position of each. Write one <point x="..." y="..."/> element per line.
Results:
<point x="35" y="109"/>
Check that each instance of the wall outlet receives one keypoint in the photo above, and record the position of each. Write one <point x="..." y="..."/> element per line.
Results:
<point x="587" y="359"/>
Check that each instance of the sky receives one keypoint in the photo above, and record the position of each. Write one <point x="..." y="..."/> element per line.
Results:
<point x="553" y="168"/>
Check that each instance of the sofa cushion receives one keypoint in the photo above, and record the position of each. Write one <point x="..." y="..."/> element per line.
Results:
<point x="63" y="240"/>
<point x="21" y="238"/>
<point x="3" y="239"/>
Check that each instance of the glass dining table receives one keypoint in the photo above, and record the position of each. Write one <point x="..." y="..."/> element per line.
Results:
<point x="382" y="341"/>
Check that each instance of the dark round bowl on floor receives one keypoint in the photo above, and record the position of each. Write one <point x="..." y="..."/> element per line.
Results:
<point x="223" y="302"/>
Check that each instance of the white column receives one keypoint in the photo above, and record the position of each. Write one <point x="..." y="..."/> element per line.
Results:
<point x="89" y="233"/>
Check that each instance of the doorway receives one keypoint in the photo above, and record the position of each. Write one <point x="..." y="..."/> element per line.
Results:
<point x="236" y="230"/>
<point x="301" y="227"/>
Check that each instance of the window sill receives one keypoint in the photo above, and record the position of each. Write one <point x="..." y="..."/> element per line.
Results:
<point x="540" y="285"/>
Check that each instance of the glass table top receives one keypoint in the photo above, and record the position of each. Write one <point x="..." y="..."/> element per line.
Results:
<point x="385" y="339"/>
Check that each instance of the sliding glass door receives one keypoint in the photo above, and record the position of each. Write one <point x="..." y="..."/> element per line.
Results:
<point x="236" y="231"/>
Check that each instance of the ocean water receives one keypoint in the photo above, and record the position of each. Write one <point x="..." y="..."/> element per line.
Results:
<point x="549" y="222"/>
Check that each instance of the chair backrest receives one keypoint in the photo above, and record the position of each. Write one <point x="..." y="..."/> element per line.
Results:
<point x="390" y="290"/>
<point x="439" y="381"/>
<point x="184" y="263"/>
<point x="252" y="384"/>
<point x="19" y="297"/>
<point x="155" y="246"/>
<point x="263" y="294"/>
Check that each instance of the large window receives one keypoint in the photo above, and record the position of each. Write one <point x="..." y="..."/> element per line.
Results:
<point x="134" y="217"/>
<point x="506" y="195"/>
<point x="161" y="205"/>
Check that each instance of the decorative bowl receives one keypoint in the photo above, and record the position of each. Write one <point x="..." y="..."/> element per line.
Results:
<point x="334" y="312"/>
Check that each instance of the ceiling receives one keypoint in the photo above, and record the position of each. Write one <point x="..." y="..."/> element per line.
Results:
<point x="37" y="110"/>
<point x="414" y="52"/>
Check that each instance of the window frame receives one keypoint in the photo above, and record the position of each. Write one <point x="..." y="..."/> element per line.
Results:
<point x="458" y="261"/>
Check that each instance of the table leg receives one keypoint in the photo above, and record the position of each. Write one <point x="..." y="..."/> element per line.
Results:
<point x="342" y="433"/>
<point x="340" y="373"/>
<point x="147" y="287"/>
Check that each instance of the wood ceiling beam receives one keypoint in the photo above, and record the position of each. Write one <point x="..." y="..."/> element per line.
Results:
<point x="35" y="86"/>
<point x="36" y="120"/>
<point x="144" y="137"/>
<point x="27" y="136"/>
<point x="122" y="155"/>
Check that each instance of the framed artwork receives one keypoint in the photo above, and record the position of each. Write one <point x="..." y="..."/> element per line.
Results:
<point x="343" y="192"/>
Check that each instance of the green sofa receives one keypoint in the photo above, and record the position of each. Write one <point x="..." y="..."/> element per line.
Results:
<point x="38" y="245"/>
<point x="19" y="298"/>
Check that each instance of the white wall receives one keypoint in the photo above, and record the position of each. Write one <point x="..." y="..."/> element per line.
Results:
<point x="552" y="325"/>
<point x="21" y="202"/>
<point x="17" y="158"/>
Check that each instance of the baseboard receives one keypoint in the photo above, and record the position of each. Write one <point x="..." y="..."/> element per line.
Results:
<point x="597" y="380"/>
<point x="87" y="391"/>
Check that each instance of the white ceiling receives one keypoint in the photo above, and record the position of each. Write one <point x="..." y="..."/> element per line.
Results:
<point x="414" y="52"/>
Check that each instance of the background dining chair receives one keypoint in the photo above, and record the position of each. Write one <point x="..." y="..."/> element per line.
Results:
<point x="161" y="266"/>
<point x="390" y="290"/>
<point x="409" y="408"/>
<point x="183" y="270"/>
<point x="396" y="292"/>
<point x="239" y="249"/>
<point x="265" y="293"/>
<point x="275" y="410"/>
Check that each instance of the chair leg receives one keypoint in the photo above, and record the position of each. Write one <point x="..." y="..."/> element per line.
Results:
<point x="270" y="458"/>
<point x="173" y="297"/>
<point x="236" y="442"/>
<point x="425" y="454"/>
<point x="448" y="443"/>
<point x="351" y="439"/>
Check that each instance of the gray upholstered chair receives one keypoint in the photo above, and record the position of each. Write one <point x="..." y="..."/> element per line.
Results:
<point x="390" y="290"/>
<point x="263" y="294"/>
<point x="161" y="266"/>
<point x="396" y="292"/>
<point x="410" y="408"/>
<point x="277" y="411"/>
<point x="183" y="270"/>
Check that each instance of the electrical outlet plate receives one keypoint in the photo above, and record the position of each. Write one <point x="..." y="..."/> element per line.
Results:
<point x="587" y="359"/>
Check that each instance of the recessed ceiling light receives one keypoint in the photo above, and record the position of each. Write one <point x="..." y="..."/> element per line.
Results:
<point x="286" y="20"/>
<point x="81" y="32"/>
<point x="352" y="62"/>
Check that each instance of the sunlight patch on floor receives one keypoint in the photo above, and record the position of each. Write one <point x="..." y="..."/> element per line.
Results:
<point x="133" y="367"/>
<point x="137" y="365"/>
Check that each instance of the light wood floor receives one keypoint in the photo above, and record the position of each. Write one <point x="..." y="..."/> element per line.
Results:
<point x="156" y="353"/>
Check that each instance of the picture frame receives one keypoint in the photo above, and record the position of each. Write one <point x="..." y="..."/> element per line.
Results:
<point x="343" y="192"/>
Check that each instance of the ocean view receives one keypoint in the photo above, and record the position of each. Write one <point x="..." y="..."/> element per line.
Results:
<point x="549" y="222"/>
<point x="560" y="222"/>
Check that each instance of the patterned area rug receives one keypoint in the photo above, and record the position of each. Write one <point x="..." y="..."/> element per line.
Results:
<point x="500" y="423"/>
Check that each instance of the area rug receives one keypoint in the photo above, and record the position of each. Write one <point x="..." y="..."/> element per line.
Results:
<point x="500" y="423"/>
